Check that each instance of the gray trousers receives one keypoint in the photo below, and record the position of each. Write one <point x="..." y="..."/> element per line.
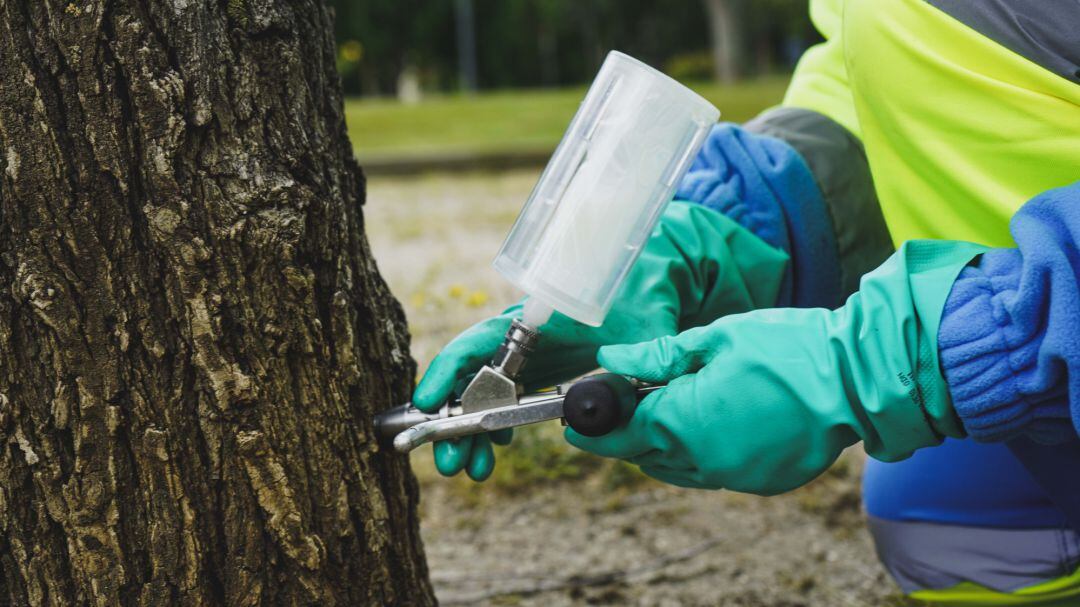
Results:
<point x="934" y="556"/>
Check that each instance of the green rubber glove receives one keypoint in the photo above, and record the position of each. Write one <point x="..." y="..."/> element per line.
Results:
<point x="764" y="402"/>
<point x="696" y="266"/>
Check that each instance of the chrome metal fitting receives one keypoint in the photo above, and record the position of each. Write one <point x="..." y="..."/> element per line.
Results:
<point x="516" y="347"/>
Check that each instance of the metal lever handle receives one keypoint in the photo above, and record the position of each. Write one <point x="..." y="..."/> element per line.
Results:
<point x="593" y="406"/>
<point x="530" y="410"/>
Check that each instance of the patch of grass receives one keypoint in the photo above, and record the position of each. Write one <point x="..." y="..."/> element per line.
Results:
<point x="622" y="476"/>
<point x="539" y="455"/>
<point x="508" y="120"/>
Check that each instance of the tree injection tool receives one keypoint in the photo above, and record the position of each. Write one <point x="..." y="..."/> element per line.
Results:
<point x="633" y="137"/>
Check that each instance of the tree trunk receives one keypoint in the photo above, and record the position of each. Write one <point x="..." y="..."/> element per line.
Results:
<point x="723" y="32"/>
<point x="193" y="333"/>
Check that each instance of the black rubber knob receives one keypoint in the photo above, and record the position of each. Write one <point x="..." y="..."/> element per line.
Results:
<point x="598" y="404"/>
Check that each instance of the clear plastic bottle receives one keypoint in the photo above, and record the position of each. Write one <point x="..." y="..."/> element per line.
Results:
<point x="632" y="139"/>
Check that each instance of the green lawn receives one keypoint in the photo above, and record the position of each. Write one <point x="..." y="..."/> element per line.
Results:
<point x="508" y="120"/>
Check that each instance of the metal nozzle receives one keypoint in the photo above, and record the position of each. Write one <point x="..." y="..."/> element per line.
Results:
<point x="392" y="422"/>
<point x="516" y="347"/>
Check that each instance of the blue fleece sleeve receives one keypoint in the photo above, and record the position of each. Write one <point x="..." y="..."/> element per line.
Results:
<point x="764" y="185"/>
<point x="1009" y="337"/>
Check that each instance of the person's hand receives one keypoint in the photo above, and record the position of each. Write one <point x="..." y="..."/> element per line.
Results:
<point x="763" y="402"/>
<point x="696" y="266"/>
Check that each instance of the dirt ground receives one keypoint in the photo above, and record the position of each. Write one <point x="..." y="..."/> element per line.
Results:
<point x="557" y="527"/>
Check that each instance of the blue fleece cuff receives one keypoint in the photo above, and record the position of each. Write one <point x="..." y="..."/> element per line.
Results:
<point x="1008" y="339"/>
<point x="764" y="185"/>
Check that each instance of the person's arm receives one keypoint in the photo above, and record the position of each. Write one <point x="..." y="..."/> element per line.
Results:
<point x="797" y="177"/>
<point x="1010" y="334"/>
<point x="946" y="338"/>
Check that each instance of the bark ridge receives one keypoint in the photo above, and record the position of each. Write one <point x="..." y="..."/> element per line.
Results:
<point x="193" y="333"/>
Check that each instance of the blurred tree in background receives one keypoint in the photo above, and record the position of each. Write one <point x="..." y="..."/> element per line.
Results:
<point x="388" y="46"/>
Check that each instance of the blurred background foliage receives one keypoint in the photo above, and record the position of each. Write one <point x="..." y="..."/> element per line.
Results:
<point x="430" y="80"/>
<point x="408" y="48"/>
<point x="507" y="121"/>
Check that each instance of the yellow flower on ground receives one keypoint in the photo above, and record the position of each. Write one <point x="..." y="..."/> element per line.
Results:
<point x="456" y="291"/>
<point x="477" y="299"/>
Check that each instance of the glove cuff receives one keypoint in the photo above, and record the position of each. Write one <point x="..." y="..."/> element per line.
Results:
<point x="906" y="405"/>
<point x="763" y="184"/>
<point x="726" y="177"/>
<point x="842" y="228"/>
<point x="801" y="183"/>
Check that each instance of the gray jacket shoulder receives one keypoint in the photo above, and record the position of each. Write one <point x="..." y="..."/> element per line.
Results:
<point x="1046" y="32"/>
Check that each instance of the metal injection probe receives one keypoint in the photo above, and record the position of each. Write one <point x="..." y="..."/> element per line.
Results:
<point x="593" y="406"/>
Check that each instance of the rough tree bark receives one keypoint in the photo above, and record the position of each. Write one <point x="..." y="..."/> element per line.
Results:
<point x="193" y="333"/>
